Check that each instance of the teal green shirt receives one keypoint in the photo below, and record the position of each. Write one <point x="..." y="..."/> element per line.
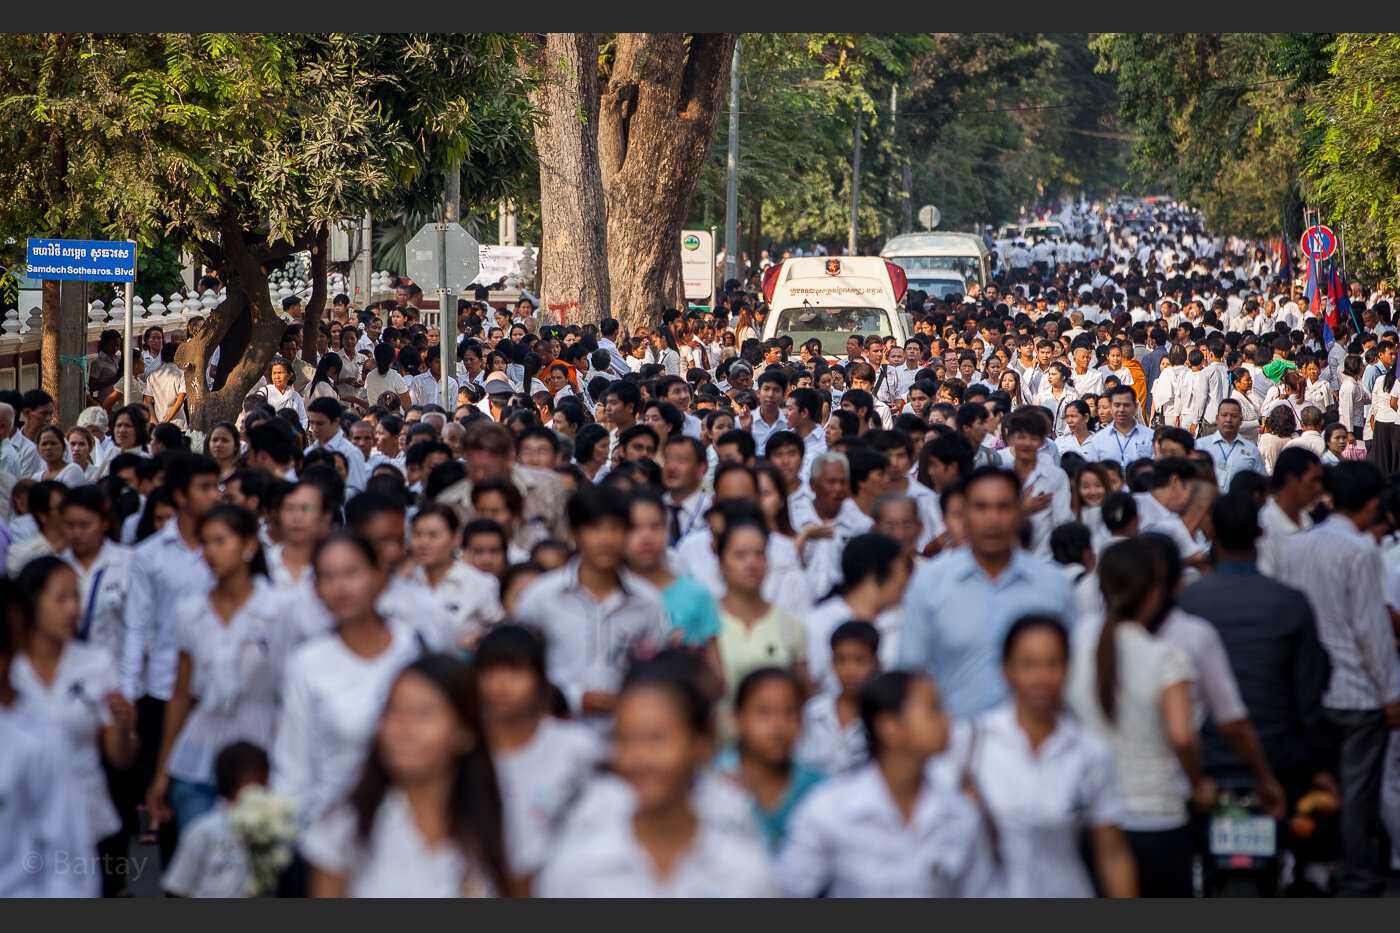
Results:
<point x="693" y="610"/>
<point x="772" y="824"/>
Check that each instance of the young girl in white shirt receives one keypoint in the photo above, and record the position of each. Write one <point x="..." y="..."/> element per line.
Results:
<point x="542" y="763"/>
<point x="424" y="819"/>
<point x="894" y="827"/>
<point x="73" y="688"/>
<point x="1045" y="779"/>
<point x="334" y="685"/>
<point x="232" y="644"/>
<point x="662" y="842"/>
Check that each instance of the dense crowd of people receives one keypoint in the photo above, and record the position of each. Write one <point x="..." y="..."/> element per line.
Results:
<point x="1001" y="611"/>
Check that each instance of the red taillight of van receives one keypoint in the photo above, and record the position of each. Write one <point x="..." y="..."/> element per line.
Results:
<point x="898" y="279"/>
<point x="770" y="281"/>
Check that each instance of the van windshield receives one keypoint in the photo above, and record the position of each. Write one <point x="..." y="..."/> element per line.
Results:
<point x="937" y="287"/>
<point x="969" y="267"/>
<point x="832" y="326"/>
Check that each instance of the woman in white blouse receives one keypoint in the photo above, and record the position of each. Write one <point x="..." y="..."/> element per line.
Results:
<point x="1352" y="398"/>
<point x="130" y="435"/>
<point x="232" y="643"/>
<point x="46" y="508"/>
<point x="73" y="687"/>
<point x="1133" y="690"/>
<point x="469" y="596"/>
<point x="52" y="449"/>
<point x="1045" y="778"/>
<point x="1056" y="394"/>
<point x="425" y="818"/>
<point x="1242" y="385"/>
<point x="658" y="840"/>
<point x="894" y="827"/>
<point x="280" y="393"/>
<point x="334" y="684"/>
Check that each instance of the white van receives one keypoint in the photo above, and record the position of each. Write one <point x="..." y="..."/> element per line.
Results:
<point x="832" y="297"/>
<point x="915" y="253"/>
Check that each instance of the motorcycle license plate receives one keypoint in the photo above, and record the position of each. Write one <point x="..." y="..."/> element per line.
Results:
<point x="1243" y="835"/>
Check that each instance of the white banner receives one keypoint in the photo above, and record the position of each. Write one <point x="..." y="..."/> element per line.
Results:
<point x="498" y="262"/>
<point x="697" y="263"/>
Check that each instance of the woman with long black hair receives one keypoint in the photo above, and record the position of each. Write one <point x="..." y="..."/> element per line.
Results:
<point x="73" y="687"/>
<point x="334" y="685"/>
<point x="385" y="377"/>
<point x="233" y="641"/>
<point x="1133" y="689"/>
<point x="657" y="829"/>
<point x="1385" y="397"/>
<point x="425" y="819"/>
<point x="920" y="835"/>
<point x="1045" y="778"/>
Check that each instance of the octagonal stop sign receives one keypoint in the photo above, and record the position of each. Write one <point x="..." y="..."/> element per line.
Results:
<point x="463" y="258"/>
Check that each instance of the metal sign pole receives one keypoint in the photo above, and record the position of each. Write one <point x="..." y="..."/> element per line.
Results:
<point x="447" y="317"/>
<point x="126" y="336"/>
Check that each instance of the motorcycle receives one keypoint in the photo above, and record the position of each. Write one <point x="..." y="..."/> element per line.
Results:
<point x="1241" y="854"/>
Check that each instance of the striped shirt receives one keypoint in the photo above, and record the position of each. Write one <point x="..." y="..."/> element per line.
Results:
<point x="1339" y="567"/>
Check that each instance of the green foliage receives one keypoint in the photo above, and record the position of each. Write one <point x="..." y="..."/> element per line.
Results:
<point x="1225" y="113"/>
<point x="175" y="137"/>
<point x="960" y="122"/>
<point x="1354" y="148"/>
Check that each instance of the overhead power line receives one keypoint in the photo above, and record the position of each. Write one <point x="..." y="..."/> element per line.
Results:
<point x="1091" y="103"/>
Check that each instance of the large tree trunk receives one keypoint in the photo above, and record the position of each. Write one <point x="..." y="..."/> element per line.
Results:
<point x="657" y="121"/>
<point x="247" y="329"/>
<point x="574" y="248"/>
<point x="51" y="310"/>
<point x="316" y="307"/>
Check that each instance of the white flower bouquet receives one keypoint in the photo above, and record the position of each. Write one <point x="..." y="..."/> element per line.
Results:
<point x="265" y="823"/>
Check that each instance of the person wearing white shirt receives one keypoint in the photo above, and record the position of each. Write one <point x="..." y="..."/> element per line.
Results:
<point x="426" y="388"/>
<point x="165" y="389"/>
<point x="334" y="685"/>
<point x="686" y="503"/>
<point x="469" y="596"/>
<point x="280" y="393"/>
<point x="833" y="507"/>
<point x="803" y="408"/>
<point x="1056" y="394"/>
<point x="619" y="852"/>
<point x="103" y="568"/>
<point x="323" y="420"/>
<point x="1160" y="509"/>
<point x="210" y="860"/>
<point x="1124" y="440"/>
<point x="1045" y="778"/>
<point x="1231" y="453"/>
<point x="894" y="827"/>
<point x="1044" y="487"/>
<point x="874" y="589"/>
<point x="769" y="417"/>
<point x="417" y="825"/>
<point x="785" y="584"/>
<point x="1085" y="379"/>
<point x="165" y="568"/>
<point x="1209" y="386"/>
<point x="542" y="763"/>
<point x="1296" y="485"/>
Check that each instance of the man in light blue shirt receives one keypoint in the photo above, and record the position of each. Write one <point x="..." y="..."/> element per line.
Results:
<point x="959" y="607"/>
<point x="1231" y="454"/>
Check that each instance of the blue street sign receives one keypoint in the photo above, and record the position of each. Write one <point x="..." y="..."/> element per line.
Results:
<point x="82" y="260"/>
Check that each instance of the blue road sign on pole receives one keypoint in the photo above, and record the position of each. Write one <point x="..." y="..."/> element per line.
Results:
<point x="82" y="260"/>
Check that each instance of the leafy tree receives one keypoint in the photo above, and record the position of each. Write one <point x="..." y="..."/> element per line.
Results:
<point x="1352" y="147"/>
<point x="244" y="148"/>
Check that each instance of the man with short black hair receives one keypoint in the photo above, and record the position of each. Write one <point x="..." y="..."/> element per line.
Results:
<point x="958" y="609"/>
<point x="769" y="417"/>
<point x="323" y="420"/>
<point x="595" y="613"/>
<point x="803" y="408"/>
<point x="1125" y="440"/>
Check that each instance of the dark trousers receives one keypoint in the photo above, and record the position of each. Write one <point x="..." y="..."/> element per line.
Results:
<point x="150" y="726"/>
<point x="1359" y="737"/>
<point x="1163" y="861"/>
